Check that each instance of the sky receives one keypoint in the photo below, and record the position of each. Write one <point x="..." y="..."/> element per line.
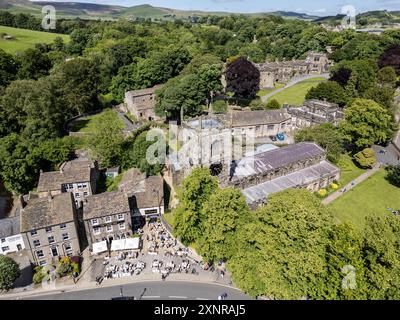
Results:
<point x="316" y="7"/>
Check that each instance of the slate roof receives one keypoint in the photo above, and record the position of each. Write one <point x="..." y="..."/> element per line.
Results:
<point x="47" y="211"/>
<point x="9" y="227"/>
<point x="143" y="92"/>
<point x="260" y="192"/>
<point x="259" y="117"/>
<point x="78" y="170"/>
<point x="136" y="185"/>
<point x="105" y="204"/>
<point x="275" y="159"/>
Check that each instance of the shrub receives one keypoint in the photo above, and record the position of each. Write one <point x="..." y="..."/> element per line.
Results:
<point x="9" y="272"/>
<point x="334" y="186"/>
<point x="393" y="175"/>
<point x="273" y="104"/>
<point x="39" y="275"/>
<point x="220" y="106"/>
<point x="322" y="193"/>
<point x="366" y="158"/>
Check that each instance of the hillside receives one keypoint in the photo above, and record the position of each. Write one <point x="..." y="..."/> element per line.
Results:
<point x="91" y="10"/>
<point x="371" y="17"/>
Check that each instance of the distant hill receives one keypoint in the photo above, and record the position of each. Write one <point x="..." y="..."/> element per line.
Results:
<point x="92" y="10"/>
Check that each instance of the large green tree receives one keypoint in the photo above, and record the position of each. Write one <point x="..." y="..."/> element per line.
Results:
<point x="224" y="213"/>
<point x="195" y="190"/>
<point x="367" y="123"/>
<point x="330" y="91"/>
<point x="281" y="254"/>
<point x="9" y="272"/>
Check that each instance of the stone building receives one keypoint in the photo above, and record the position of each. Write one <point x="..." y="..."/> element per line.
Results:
<point x="141" y="103"/>
<point x="301" y="165"/>
<point x="314" y="112"/>
<point x="146" y="194"/>
<point x="49" y="228"/>
<point x="11" y="239"/>
<point x="78" y="177"/>
<point x="107" y="217"/>
<point x="284" y="71"/>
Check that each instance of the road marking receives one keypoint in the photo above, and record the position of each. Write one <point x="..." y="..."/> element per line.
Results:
<point x="177" y="297"/>
<point x="201" y="299"/>
<point x="150" y="297"/>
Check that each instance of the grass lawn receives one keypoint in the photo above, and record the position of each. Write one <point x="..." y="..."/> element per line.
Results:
<point x="295" y="95"/>
<point x="349" y="171"/>
<point x="89" y="124"/>
<point x="264" y="92"/>
<point x="25" y="39"/>
<point x="373" y="196"/>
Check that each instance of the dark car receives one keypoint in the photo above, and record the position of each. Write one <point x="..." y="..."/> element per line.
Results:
<point x="273" y="138"/>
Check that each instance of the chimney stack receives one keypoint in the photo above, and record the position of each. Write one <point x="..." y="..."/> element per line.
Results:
<point x="21" y="201"/>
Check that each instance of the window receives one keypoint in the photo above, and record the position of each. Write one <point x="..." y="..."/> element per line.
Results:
<point x="63" y="226"/>
<point x="96" y="230"/>
<point x="71" y="186"/>
<point x="271" y="127"/>
<point x="95" y="222"/>
<point x="68" y="247"/>
<point x="48" y="229"/>
<point x="77" y="195"/>
<point x="65" y="186"/>
<point x="85" y="193"/>
<point x="42" y="263"/>
<point x="6" y="248"/>
<point x="33" y="233"/>
<point x="258" y="128"/>
<point x="54" y="252"/>
<point x="65" y="236"/>
<point x="80" y="185"/>
<point x="3" y="240"/>
<point x="84" y="185"/>
<point x="40" y="254"/>
<point x="51" y="240"/>
<point x="120" y="217"/>
<point x="36" y="243"/>
<point x="121" y="225"/>
<point x="283" y="125"/>
<point x="109" y="228"/>
<point x="108" y="219"/>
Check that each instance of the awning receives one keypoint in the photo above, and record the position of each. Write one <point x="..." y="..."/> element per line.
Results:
<point x="100" y="247"/>
<point x="118" y="245"/>
<point x="132" y="243"/>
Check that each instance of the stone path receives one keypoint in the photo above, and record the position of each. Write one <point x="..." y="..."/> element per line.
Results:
<point x="350" y="186"/>
<point x="294" y="81"/>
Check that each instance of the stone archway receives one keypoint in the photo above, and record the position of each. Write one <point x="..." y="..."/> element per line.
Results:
<point x="216" y="169"/>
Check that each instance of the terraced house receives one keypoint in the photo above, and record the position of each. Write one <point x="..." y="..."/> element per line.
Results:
<point x="49" y="228"/>
<point x="78" y="177"/>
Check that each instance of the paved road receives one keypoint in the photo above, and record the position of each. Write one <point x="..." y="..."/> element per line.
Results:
<point x="294" y="81"/>
<point x="169" y="290"/>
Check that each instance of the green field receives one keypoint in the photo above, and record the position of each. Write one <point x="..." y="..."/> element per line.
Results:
<point x="89" y="124"/>
<point x="25" y="39"/>
<point x="295" y="95"/>
<point x="373" y="196"/>
<point x="264" y="92"/>
<point x="348" y="170"/>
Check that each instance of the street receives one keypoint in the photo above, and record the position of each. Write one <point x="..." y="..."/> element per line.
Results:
<point x="154" y="290"/>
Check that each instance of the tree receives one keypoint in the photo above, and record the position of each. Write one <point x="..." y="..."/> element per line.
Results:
<point x="33" y="64"/>
<point x="382" y="95"/>
<point x="344" y="277"/>
<point x="106" y="142"/>
<point x="281" y="254"/>
<point x="8" y="68"/>
<point x="273" y="104"/>
<point x="381" y="252"/>
<point x="257" y="104"/>
<point x="387" y="77"/>
<point x="195" y="190"/>
<point x="394" y="175"/>
<point x="327" y="136"/>
<point x="330" y="91"/>
<point x="243" y="78"/>
<point x="9" y="272"/>
<point x="224" y="213"/>
<point x="32" y="109"/>
<point x="78" y="84"/>
<point x="391" y="58"/>
<point x="367" y="123"/>
<point x="366" y="158"/>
